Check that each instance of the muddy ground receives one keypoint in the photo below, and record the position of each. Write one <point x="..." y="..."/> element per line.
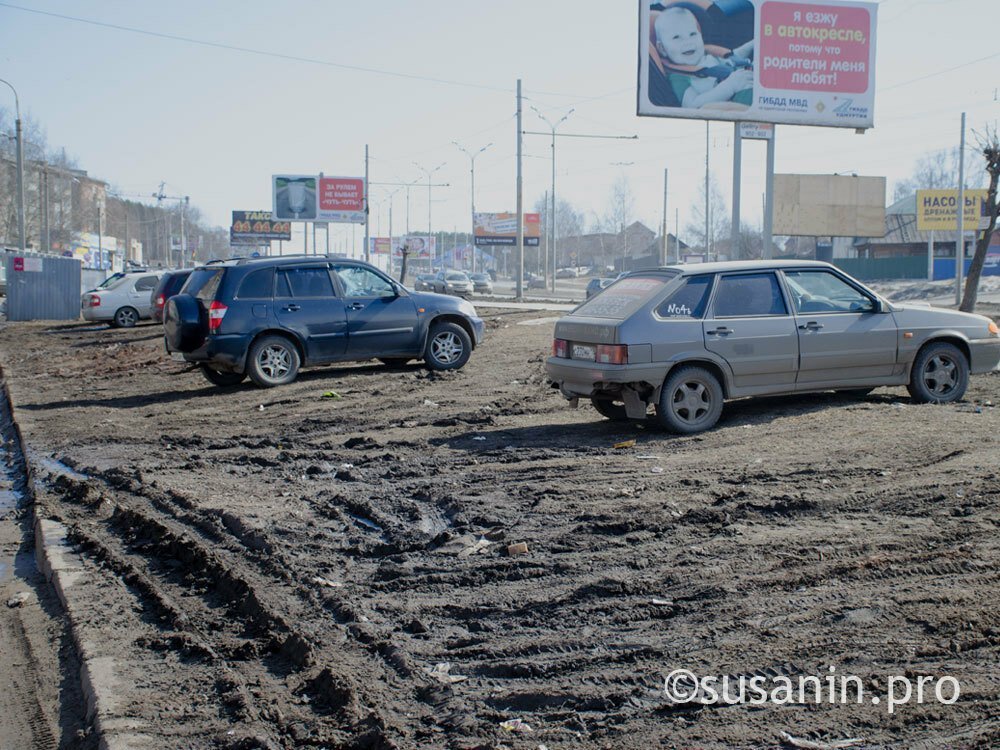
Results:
<point x="286" y="568"/>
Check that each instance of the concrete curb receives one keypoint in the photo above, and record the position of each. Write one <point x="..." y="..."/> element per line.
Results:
<point x="64" y="569"/>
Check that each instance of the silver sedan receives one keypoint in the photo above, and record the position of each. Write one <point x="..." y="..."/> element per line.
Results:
<point x="683" y="339"/>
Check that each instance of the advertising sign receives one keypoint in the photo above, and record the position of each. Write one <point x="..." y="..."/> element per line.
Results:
<point x="341" y="200"/>
<point x="817" y="205"/>
<point x="774" y="61"/>
<point x="501" y="229"/>
<point x="257" y="227"/>
<point x="383" y="245"/>
<point x="294" y="197"/>
<point x="936" y="210"/>
<point x="417" y="246"/>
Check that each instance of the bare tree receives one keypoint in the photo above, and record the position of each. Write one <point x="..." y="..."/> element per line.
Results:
<point x="621" y="206"/>
<point x="938" y="170"/>
<point x="989" y="144"/>
<point x="719" y="223"/>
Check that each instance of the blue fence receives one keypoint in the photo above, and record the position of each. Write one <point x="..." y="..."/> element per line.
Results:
<point x="944" y="268"/>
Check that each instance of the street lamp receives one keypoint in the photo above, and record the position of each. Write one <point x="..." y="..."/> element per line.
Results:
<point x="472" y="169"/>
<point x="20" y="165"/>
<point x="429" y="173"/>
<point x="552" y="215"/>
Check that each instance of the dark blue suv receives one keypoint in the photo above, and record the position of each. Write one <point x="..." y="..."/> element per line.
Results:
<point x="267" y="317"/>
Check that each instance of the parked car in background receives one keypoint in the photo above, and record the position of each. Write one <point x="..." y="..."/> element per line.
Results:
<point x="683" y="339"/>
<point x="452" y="282"/>
<point x="121" y="300"/>
<point x="424" y="282"/>
<point x="595" y="286"/>
<point x="481" y="283"/>
<point x="267" y="317"/>
<point x="170" y="284"/>
<point x="566" y="273"/>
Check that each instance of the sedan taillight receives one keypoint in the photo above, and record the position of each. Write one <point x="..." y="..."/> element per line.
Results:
<point x="560" y="348"/>
<point x="612" y="354"/>
<point x="95" y="301"/>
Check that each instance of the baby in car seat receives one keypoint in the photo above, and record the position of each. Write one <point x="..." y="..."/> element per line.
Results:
<point x="697" y="76"/>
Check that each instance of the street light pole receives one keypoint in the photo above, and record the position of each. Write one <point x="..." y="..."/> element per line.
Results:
<point x="20" y="165"/>
<point x="552" y="214"/>
<point x="429" y="173"/>
<point x="472" y="169"/>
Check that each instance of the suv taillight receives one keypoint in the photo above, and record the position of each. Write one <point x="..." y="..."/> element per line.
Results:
<point x="216" y="312"/>
<point x="160" y="300"/>
<point x="612" y="354"/>
<point x="560" y="348"/>
<point x="95" y="301"/>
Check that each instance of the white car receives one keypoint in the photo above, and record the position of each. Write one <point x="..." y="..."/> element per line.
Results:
<point x="121" y="300"/>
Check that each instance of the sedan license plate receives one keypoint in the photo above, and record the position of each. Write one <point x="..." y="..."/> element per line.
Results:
<point x="584" y="352"/>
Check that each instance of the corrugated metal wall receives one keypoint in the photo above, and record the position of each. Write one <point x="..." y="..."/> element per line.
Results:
<point x="42" y="287"/>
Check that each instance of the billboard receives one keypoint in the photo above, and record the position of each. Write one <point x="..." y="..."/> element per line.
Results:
<point x="294" y="197"/>
<point x="501" y="229"/>
<point x="341" y="200"/>
<point x="799" y="63"/>
<point x="936" y="210"/>
<point x="818" y="205"/>
<point x="417" y="246"/>
<point x="257" y="227"/>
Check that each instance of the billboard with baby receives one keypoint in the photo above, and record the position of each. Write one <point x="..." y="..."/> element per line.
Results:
<point x="802" y="63"/>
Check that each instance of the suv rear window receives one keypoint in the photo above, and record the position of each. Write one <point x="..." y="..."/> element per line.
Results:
<point x="203" y="283"/>
<point x="624" y="297"/>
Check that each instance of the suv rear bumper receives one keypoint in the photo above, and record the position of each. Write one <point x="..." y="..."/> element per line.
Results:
<point x="223" y="353"/>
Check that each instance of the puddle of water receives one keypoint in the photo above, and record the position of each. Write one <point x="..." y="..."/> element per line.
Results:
<point x="366" y="523"/>
<point x="53" y="466"/>
<point x="432" y="525"/>
<point x="9" y="500"/>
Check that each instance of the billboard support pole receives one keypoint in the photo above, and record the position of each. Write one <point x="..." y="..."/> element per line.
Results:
<point x="766" y="251"/>
<point x="960" y="244"/>
<point x="734" y="233"/>
<point x="519" y="270"/>
<point x="367" y="251"/>
<point x="708" y="199"/>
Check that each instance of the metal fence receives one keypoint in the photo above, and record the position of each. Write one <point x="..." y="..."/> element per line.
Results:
<point x="883" y="269"/>
<point x="42" y="287"/>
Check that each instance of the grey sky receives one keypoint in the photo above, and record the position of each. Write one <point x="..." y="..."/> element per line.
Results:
<point x="215" y="123"/>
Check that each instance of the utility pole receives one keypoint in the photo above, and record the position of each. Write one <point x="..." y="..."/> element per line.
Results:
<point x="519" y="287"/>
<point x="367" y="234"/>
<point x="960" y="244"/>
<point x="20" y="165"/>
<point x="663" y="261"/>
<point x="184" y="204"/>
<point x="767" y="250"/>
<point x="552" y="212"/>
<point x="472" y="170"/>
<point x="429" y="173"/>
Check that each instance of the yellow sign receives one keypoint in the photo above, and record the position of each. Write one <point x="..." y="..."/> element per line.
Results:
<point x="936" y="210"/>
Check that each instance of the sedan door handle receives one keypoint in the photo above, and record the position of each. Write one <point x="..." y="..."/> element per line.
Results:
<point x="721" y="331"/>
<point x="812" y="325"/>
<point x="291" y="308"/>
<point x="356" y="306"/>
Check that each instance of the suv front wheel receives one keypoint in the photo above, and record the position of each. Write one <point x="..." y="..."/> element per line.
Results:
<point x="273" y="360"/>
<point x="448" y="347"/>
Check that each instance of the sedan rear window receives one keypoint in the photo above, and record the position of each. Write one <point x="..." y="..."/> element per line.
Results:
<point x="749" y="295"/>
<point x="624" y="297"/>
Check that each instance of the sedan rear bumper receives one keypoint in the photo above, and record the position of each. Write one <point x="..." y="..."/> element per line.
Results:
<point x="582" y="378"/>
<point x="985" y="355"/>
